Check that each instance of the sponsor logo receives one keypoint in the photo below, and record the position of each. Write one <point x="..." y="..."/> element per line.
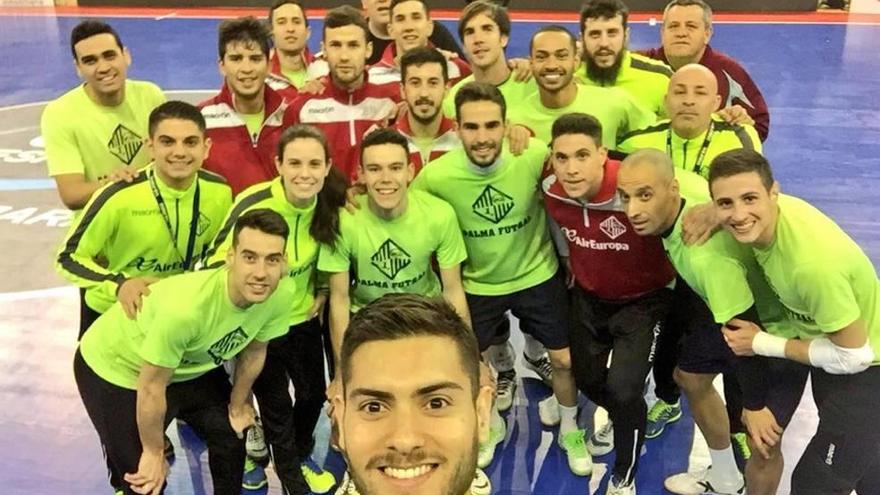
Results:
<point x="223" y="349"/>
<point x="318" y="110"/>
<point x="612" y="227"/>
<point x="573" y="237"/>
<point x="153" y="265"/>
<point x="32" y="215"/>
<point x="125" y="144"/>
<point x="390" y="259"/>
<point x="492" y="204"/>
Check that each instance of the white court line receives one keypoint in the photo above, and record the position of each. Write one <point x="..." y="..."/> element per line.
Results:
<point x="36" y="294"/>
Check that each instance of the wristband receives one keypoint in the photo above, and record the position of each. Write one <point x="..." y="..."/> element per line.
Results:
<point x="768" y="345"/>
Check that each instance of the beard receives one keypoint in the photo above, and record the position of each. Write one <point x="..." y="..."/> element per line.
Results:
<point x="605" y="76"/>
<point x="459" y="482"/>
<point x="426" y="119"/>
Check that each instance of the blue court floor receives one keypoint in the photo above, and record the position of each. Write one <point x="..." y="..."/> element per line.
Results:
<point x="820" y="80"/>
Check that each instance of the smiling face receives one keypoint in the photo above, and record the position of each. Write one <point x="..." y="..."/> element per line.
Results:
<point x="745" y="207"/>
<point x="409" y="422"/>
<point x="423" y="90"/>
<point x="245" y="66"/>
<point x="386" y="172"/>
<point x="303" y="169"/>
<point x="178" y="148"/>
<point x="553" y="60"/>
<point x="690" y="100"/>
<point x="410" y="26"/>
<point x="578" y="163"/>
<point x="289" y="30"/>
<point x="650" y="197"/>
<point x="685" y="33"/>
<point x="483" y="42"/>
<point x="481" y="129"/>
<point x="102" y="64"/>
<point x="346" y="50"/>
<point x="256" y="264"/>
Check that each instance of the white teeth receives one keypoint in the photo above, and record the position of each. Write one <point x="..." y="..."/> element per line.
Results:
<point x="405" y="474"/>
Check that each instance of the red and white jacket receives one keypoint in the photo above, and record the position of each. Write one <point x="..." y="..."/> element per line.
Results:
<point x="386" y="70"/>
<point x="344" y="117"/>
<point x="607" y="257"/>
<point x="279" y="82"/>
<point x="235" y="154"/>
<point x="445" y="140"/>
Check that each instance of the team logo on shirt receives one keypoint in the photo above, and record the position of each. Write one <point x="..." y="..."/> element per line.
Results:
<point x="390" y="259"/>
<point x="492" y="204"/>
<point x="612" y="227"/>
<point x="125" y="144"/>
<point x="231" y="341"/>
<point x="203" y="225"/>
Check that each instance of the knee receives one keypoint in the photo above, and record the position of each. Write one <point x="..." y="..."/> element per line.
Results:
<point x="692" y="382"/>
<point x="626" y="395"/>
<point x="560" y="360"/>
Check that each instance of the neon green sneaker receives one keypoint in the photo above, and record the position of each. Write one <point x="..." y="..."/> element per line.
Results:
<point x="575" y="446"/>
<point x="497" y="432"/>
<point x="741" y="450"/>
<point x="254" y="475"/>
<point x="660" y="415"/>
<point x="319" y="481"/>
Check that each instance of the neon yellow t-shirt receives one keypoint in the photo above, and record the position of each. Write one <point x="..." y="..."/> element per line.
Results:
<point x="187" y="323"/>
<point x="500" y="210"/>
<point x="823" y="278"/>
<point x="389" y="256"/>
<point x="296" y="77"/>
<point x="614" y="108"/>
<point x="83" y="137"/>
<point x="514" y="93"/>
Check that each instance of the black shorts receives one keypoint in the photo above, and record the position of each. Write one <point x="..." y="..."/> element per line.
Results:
<point x="542" y="311"/>
<point x="702" y="348"/>
<point x="785" y="386"/>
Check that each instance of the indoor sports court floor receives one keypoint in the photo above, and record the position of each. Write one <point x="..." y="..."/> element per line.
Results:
<point x="818" y="72"/>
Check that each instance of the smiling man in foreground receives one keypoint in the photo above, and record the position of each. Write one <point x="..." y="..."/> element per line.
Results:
<point x="413" y="410"/>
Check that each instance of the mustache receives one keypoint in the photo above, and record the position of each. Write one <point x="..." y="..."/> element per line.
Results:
<point x="426" y="101"/>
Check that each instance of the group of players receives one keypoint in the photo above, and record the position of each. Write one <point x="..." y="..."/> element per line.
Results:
<point x="396" y="197"/>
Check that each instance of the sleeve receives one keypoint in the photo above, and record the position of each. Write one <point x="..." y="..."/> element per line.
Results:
<point x="277" y="322"/>
<point x="443" y="39"/>
<point x="62" y="152"/>
<point x="758" y="108"/>
<point x="828" y="296"/>
<point x="752" y="133"/>
<point x="167" y="332"/>
<point x="637" y="117"/>
<point x="87" y="238"/>
<point x="722" y="282"/>
<point x="337" y="258"/>
<point x="452" y="250"/>
<point x="538" y="152"/>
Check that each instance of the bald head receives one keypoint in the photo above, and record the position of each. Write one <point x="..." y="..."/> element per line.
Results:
<point x="647" y="187"/>
<point x="690" y="100"/>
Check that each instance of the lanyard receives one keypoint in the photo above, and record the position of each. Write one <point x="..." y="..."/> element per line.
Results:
<point x="704" y="148"/>
<point x="193" y="224"/>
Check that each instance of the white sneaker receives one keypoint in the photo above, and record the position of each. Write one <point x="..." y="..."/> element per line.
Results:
<point x="698" y="483"/>
<point x="617" y="487"/>
<point x="602" y="440"/>
<point x="548" y="411"/>
<point x="256" y="443"/>
<point x="487" y="450"/>
<point x="481" y="484"/>
<point x="505" y="390"/>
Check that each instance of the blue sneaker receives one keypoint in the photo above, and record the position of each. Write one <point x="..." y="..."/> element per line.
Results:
<point x="660" y="415"/>
<point x="254" y="475"/>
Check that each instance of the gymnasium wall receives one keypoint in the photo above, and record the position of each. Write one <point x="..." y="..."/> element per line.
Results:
<point x="557" y="5"/>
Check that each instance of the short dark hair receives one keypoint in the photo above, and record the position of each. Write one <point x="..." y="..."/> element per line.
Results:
<point x="400" y="316"/>
<point x="476" y="91"/>
<point x="707" y="9"/>
<point x="496" y="12"/>
<point x="552" y="28"/>
<point x="280" y="3"/>
<point x="604" y="9"/>
<point x="243" y="30"/>
<point x="263" y="219"/>
<point x="741" y="161"/>
<point x="395" y="3"/>
<point x="175" y="109"/>
<point x="346" y="15"/>
<point x="87" y="29"/>
<point x="385" y="135"/>
<point x="577" y="123"/>
<point x="421" y="56"/>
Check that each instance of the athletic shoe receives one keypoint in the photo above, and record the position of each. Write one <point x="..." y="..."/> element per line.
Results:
<point x="602" y="440"/>
<point x="741" y="450"/>
<point x="256" y="443"/>
<point x="697" y="483"/>
<point x="347" y="486"/>
<point x="169" y="451"/>
<point x="487" y="450"/>
<point x="617" y="487"/>
<point x="254" y="475"/>
<point x="505" y="390"/>
<point x="579" y="460"/>
<point x="319" y="481"/>
<point x="548" y="411"/>
<point x="541" y="367"/>
<point x="660" y="415"/>
<point x="481" y="484"/>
